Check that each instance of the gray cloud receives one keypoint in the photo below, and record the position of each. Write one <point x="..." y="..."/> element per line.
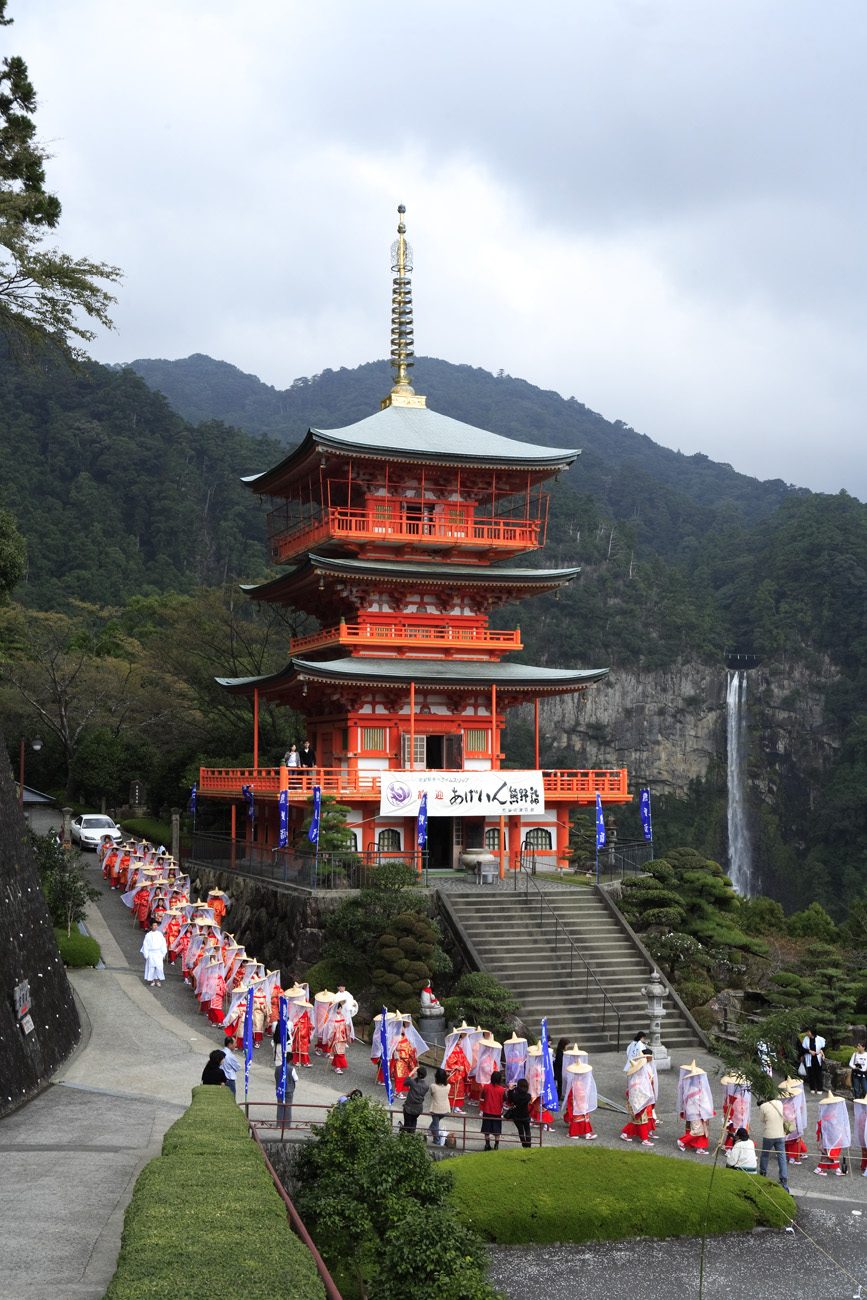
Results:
<point x="657" y="206"/>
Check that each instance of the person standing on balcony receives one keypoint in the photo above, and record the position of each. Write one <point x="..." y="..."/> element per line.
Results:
<point x="292" y="758"/>
<point x="308" y="755"/>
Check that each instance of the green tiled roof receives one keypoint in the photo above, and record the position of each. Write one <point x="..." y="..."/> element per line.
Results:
<point x="417" y="433"/>
<point x="445" y="673"/>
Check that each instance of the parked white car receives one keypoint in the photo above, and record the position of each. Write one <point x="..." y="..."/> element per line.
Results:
<point x="87" y="830"/>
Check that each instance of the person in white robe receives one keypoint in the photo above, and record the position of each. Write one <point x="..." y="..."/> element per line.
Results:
<point x="154" y="950"/>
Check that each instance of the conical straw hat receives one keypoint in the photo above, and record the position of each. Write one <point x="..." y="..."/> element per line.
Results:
<point x="580" y="1067"/>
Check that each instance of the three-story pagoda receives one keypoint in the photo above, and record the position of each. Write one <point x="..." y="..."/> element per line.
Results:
<point x="400" y="534"/>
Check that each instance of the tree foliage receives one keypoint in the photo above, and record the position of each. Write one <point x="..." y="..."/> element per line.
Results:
<point x="66" y="890"/>
<point x="378" y="1209"/>
<point x="44" y="292"/>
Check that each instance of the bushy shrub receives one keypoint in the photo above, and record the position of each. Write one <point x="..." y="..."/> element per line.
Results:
<point x="149" y="828"/>
<point x="327" y="973"/>
<point x="391" y="1219"/>
<point x="762" y="916"/>
<point x="482" y="1000"/>
<point x="813" y="923"/>
<point x="665" y="918"/>
<point x="695" y="992"/>
<point x="704" y="1018"/>
<point x="77" y="949"/>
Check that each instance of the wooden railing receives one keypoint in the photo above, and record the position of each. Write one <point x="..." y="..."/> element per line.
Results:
<point x="473" y="532"/>
<point x="448" y="636"/>
<point x="579" y="786"/>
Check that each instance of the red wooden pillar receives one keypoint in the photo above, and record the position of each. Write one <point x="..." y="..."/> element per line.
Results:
<point x="256" y="727"/>
<point x="562" y="834"/>
<point x="514" y="842"/>
<point x="412" y="726"/>
<point x="495" y="735"/>
<point x="536" y="730"/>
<point x="233" y="833"/>
<point x="502" y="848"/>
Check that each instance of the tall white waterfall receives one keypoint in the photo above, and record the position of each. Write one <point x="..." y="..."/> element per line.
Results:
<point x="740" y="853"/>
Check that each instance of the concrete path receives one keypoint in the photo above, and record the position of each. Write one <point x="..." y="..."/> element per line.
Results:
<point x="69" y="1160"/>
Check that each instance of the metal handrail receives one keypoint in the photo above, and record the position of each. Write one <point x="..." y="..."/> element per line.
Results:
<point x="574" y="950"/>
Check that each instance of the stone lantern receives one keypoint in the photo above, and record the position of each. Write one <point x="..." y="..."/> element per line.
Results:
<point x="654" y="992"/>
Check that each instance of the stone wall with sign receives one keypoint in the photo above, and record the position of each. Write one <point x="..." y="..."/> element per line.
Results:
<point x="39" y="1024"/>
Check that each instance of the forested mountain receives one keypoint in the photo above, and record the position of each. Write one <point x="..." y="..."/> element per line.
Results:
<point x="138" y="531"/>
<point x="670" y="499"/>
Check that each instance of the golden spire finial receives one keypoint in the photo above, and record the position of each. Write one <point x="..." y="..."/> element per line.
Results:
<point x="402" y="343"/>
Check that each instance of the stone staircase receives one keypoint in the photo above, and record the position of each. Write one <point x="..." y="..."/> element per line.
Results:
<point x="514" y="937"/>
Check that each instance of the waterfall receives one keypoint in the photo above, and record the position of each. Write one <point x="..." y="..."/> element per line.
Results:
<point x="740" y="859"/>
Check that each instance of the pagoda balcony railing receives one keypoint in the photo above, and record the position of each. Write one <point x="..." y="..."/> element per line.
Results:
<point x="402" y="634"/>
<point x="341" y="523"/>
<point x="575" y="785"/>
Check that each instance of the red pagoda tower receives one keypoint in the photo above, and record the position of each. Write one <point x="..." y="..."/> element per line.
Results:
<point x="399" y="534"/>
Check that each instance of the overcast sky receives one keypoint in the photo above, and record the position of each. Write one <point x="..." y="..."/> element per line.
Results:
<point x="657" y="206"/>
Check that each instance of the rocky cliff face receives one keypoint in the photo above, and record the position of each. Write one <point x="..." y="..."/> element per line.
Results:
<point x="668" y="727"/>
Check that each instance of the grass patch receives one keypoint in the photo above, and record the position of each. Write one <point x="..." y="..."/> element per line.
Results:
<point x="565" y="1195"/>
<point x="206" y="1209"/>
<point x="148" y="828"/>
<point x="567" y="878"/>
<point x="77" y="949"/>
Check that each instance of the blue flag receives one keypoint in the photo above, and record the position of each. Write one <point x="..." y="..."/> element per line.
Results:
<point x="247" y="792"/>
<point x="283" y="809"/>
<point x="248" y="1040"/>
<point x="600" y="822"/>
<point x="549" y="1084"/>
<point x="385" y="1063"/>
<point x="422" y="822"/>
<point x="644" y="807"/>
<point x="192" y="804"/>
<point x="283" y="1021"/>
<point x="313" y="833"/>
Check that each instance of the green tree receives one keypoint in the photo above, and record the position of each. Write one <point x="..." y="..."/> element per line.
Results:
<point x="66" y="891"/>
<point x="43" y="292"/>
<point x="378" y="1209"/>
<point x="13" y="554"/>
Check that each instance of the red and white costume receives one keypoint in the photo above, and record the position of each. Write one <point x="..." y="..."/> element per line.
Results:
<point x="639" y="1098"/>
<point x="488" y="1059"/>
<point x="795" y="1114"/>
<point x="457" y="1059"/>
<point x="832" y="1133"/>
<point x="515" y="1054"/>
<point x="408" y="1047"/>
<point x="736" y="1105"/>
<point x="581" y="1099"/>
<point x="321" y="1006"/>
<point x="696" y="1108"/>
<point x="302" y="1026"/>
<point x="392" y="1029"/>
<point x="536" y="1079"/>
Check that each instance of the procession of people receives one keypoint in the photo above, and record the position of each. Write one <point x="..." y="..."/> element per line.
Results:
<point x="514" y="1080"/>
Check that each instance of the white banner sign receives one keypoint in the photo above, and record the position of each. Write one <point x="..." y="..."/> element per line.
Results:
<point x="462" y="794"/>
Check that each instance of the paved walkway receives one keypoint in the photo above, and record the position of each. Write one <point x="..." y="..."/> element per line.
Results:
<point x="69" y="1160"/>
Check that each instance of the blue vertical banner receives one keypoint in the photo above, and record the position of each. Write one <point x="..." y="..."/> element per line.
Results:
<point x="283" y="810"/>
<point x="422" y="822"/>
<point x="600" y="822"/>
<point x="247" y="792"/>
<point x="383" y="1060"/>
<point x="248" y="1040"/>
<point x="549" y="1084"/>
<point x="283" y="1021"/>
<point x="313" y="833"/>
<point x="193" y="796"/>
<point x="646" y="819"/>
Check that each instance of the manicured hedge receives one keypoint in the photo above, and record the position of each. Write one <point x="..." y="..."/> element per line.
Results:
<point x="149" y="829"/>
<point x="205" y="1219"/>
<point x="566" y="1194"/>
<point x="77" y="949"/>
